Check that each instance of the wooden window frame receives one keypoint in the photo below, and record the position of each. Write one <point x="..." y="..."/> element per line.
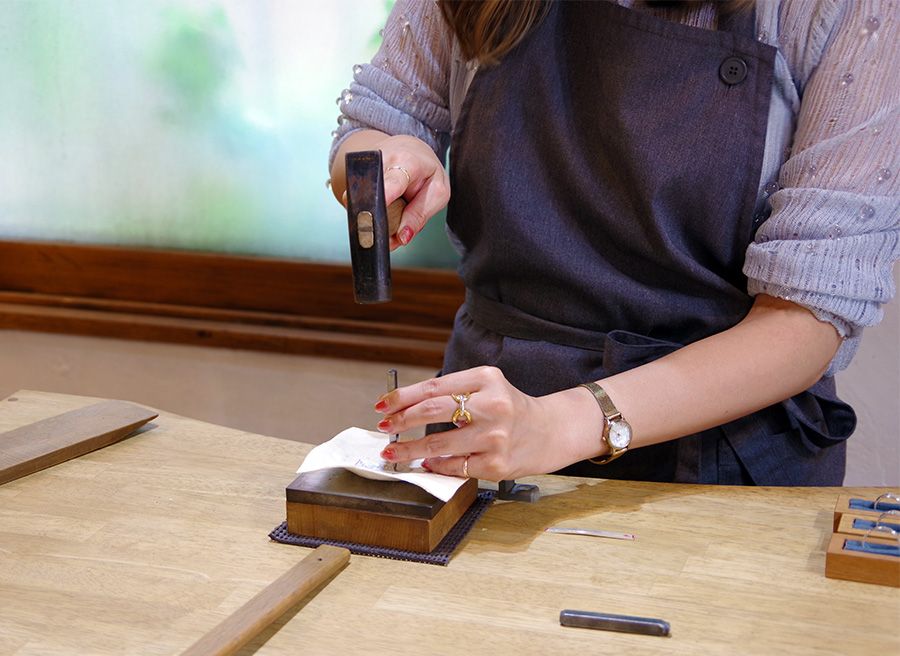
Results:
<point x="222" y="300"/>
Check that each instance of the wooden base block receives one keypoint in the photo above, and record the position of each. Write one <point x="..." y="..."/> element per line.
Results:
<point x="336" y="504"/>
<point x="860" y="566"/>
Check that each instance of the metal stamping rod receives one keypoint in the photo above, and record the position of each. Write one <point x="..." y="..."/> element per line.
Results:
<point x="391" y="386"/>
<point x="585" y="619"/>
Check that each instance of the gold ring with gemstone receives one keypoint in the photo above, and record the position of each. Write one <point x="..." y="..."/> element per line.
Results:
<point x="461" y="412"/>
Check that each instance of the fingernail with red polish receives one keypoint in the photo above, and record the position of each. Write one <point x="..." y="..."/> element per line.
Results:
<point x="426" y="466"/>
<point x="384" y="425"/>
<point x="388" y="454"/>
<point x="405" y="235"/>
<point x="381" y="406"/>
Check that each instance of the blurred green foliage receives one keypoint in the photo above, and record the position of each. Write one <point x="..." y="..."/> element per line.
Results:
<point x="195" y="57"/>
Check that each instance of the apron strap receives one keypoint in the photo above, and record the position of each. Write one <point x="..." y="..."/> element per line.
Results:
<point x="512" y="322"/>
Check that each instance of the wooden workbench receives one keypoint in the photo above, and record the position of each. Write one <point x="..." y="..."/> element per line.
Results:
<point x="142" y="547"/>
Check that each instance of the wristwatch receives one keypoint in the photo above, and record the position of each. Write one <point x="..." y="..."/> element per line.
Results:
<point x="616" y="431"/>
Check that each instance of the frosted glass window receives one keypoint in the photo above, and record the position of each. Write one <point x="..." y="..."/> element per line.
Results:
<point x="190" y="124"/>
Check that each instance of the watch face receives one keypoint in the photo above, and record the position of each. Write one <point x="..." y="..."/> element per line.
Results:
<point x="619" y="434"/>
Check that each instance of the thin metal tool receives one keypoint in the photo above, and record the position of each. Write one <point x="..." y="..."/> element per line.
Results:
<point x="391" y="386"/>
<point x="614" y="535"/>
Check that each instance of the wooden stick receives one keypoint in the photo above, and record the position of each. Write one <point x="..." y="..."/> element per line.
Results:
<point x="51" y="441"/>
<point x="246" y="622"/>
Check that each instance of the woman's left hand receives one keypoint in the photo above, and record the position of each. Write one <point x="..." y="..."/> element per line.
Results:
<point x="509" y="434"/>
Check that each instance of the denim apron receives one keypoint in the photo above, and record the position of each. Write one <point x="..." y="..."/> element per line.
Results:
<point x="604" y="177"/>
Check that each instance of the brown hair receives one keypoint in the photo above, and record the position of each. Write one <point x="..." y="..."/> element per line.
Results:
<point x="488" y="29"/>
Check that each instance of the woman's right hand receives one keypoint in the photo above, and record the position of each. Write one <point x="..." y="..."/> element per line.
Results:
<point x="411" y="171"/>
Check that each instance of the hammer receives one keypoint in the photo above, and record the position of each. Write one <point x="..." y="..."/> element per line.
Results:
<point x="370" y="225"/>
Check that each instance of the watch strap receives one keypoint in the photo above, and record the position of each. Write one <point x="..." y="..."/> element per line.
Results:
<point x="606" y="405"/>
<point x="610" y="414"/>
<point x="609" y="458"/>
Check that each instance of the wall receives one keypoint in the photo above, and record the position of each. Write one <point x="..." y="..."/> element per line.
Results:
<point x="300" y="398"/>
<point x="872" y="385"/>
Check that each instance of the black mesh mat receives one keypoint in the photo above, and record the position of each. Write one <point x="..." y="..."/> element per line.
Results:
<point x="440" y="555"/>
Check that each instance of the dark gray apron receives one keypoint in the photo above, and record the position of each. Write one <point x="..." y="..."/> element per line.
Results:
<point x="604" y="177"/>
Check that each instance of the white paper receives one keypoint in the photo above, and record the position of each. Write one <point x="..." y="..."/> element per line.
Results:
<point x="359" y="450"/>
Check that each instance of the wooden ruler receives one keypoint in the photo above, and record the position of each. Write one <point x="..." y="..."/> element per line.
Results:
<point x="50" y="441"/>
<point x="246" y="622"/>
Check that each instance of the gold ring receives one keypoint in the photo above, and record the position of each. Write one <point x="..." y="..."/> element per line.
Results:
<point x="461" y="412"/>
<point x="403" y="171"/>
<point x="466" y="467"/>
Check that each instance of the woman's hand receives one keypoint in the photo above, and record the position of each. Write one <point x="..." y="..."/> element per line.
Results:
<point x="411" y="171"/>
<point x="510" y="433"/>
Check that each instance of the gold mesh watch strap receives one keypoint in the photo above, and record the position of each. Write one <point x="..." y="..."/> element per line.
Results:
<point x="610" y="413"/>
<point x="606" y="405"/>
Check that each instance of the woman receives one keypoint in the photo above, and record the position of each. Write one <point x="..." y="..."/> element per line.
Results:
<point x="674" y="219"/>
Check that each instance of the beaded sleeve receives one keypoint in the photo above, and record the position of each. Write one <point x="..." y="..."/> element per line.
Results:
<point x="834" y="228"/>
<point x="405" y="89"/>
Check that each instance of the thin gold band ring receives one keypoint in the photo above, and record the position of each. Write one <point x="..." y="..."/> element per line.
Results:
<point x="403" y="171"/>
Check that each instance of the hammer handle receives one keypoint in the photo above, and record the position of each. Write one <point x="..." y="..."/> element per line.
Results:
<point x="395" y="212"/>
<point x="246" y="622"/>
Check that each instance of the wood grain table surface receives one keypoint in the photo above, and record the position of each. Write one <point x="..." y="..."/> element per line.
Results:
<point x="142" y="547"/>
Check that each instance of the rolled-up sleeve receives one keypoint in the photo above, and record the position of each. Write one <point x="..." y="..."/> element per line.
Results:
<point x="834" y="229"/>
<point x="404" y="90"/>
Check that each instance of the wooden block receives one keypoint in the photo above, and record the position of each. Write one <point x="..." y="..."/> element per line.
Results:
<point x="336" y="504"/>
<point x="48" y="442"/>
<point x="859" y="566"/>
<point x="846" y="505"/>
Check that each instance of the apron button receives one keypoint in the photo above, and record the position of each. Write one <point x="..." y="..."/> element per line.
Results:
<point x="733" y="70"/>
